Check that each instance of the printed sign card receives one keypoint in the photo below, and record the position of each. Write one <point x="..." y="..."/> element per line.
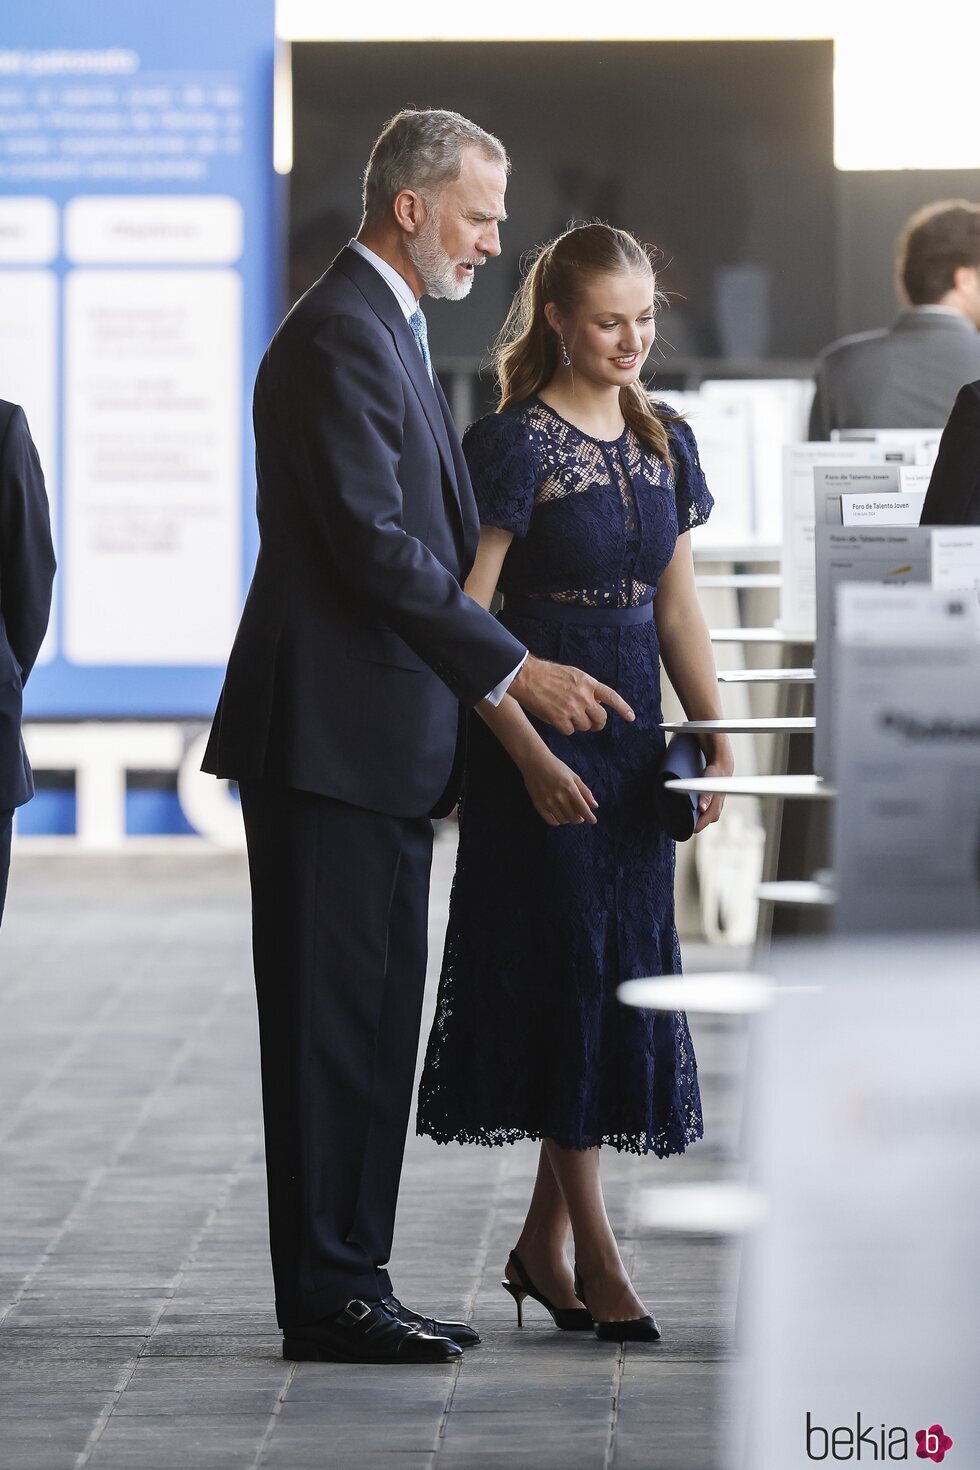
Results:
<point x="956" y="558"/>
<point x="893" y="555"/>
<point x="901" y="509"/>
<point x="907" y="829"/>
<point x="797" y="608"/>
<point x="872" y="482"/>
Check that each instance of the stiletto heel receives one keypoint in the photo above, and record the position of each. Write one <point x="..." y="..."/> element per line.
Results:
<point x="569" y="1319"/>
<point x="518" y="1295"/>
<point x="637" y="1329"/>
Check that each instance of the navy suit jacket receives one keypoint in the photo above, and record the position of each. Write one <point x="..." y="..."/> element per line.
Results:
<point x="357" y="646"/>
<point x="953" y="497"/>
<point x="27" y="567"/>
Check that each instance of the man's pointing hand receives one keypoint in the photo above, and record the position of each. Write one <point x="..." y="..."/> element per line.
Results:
<point x="565" y="697"/>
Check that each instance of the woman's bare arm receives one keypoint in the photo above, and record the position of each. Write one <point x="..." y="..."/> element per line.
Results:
<point x="558" y="794"/>
<point x="685" y="647"/>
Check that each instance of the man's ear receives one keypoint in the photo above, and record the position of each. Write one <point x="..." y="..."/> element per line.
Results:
<point x="410" y="210"/>
<point x="966" y="278"/>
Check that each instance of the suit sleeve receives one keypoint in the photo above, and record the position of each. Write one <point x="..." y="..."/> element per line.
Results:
<point x="348" y="404"/>
<point x="953" y="496"/>
<point x="27" y="562"/>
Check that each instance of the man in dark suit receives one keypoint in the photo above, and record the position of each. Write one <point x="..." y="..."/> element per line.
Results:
<point x="906" y="377"/>
<point x="340" y="719"/>
<point x="953" y="497"/>
<point x="27" y="569"/>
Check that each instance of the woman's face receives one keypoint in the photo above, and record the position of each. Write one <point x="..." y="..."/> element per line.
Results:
<point x="611" y="330"/>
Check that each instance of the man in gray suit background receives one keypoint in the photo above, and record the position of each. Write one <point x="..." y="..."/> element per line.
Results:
<point x="907" y="376"/>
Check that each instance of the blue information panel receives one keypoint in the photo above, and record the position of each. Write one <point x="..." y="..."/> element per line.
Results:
<point x="138" y="288"/>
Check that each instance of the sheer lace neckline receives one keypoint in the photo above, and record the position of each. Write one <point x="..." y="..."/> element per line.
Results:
<point x="567" y="423"/>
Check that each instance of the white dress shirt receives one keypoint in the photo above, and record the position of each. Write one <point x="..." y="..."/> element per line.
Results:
<point x="403" y="292"/>
<point x="408" y="302"/>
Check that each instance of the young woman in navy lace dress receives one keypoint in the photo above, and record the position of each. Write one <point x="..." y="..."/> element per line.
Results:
<point x="564" y="880"/>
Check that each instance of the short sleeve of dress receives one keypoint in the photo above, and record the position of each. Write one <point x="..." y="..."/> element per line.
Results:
<point x="501" y="466"/>
<point x="694" y="499"/>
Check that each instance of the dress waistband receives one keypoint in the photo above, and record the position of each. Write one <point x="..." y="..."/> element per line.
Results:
<point x="569" y="612"/>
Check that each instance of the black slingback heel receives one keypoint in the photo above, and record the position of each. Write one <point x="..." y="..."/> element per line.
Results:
<point x="569" y="1319"/>
<point x="637" y="1329"/>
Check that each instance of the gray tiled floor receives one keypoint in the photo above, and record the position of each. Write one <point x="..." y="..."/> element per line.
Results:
<point x="136" y="1327"/>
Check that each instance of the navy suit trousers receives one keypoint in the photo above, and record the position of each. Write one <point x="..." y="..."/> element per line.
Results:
<point x="339" y="931"/>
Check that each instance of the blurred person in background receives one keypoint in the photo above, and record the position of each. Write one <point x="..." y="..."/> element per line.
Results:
<point x="340" y="719"/>
<point x="907" y="376"/>
<point x="564" y="881"/>
<point x="27" y="567"/>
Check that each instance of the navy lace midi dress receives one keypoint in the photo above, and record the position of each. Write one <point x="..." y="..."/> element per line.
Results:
<point x="529" y="1039"/>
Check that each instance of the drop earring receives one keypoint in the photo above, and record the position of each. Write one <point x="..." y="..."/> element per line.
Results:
<point x="565" y="359"/>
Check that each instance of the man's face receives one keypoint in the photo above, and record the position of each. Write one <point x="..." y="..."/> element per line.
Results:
<point x="460" y="230"/>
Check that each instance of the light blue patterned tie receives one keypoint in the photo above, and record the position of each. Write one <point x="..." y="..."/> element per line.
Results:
<point x="417" y="323"/>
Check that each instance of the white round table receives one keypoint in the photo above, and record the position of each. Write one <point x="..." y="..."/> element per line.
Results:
<point x="774" y="725"/>
<point x="726" y="993"/>
<point x="766" y="676"/>
<point x="791" y="787"/>
<point x="740" y="581"/>
<point x="797" y="892"/>
<point x="759" y="635"/>
<point x="706" y="550"/>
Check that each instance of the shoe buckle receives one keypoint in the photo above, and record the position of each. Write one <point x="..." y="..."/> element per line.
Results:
<point x="357" y="1310"/>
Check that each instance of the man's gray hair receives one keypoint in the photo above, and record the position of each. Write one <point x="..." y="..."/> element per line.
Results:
<point x="422" y="151"/>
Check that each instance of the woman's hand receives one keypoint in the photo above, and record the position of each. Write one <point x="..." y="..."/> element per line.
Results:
<point x="559" y="796"/>
<point x="721" y="762"/>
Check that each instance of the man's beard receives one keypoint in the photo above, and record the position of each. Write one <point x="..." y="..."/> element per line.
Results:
<point x="437" y="269"/>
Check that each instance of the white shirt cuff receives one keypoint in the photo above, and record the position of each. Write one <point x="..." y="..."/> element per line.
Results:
<point x="499" y="690"/>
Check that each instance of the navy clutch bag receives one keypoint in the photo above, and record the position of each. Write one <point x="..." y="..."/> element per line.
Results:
<point x="678" y="810"/>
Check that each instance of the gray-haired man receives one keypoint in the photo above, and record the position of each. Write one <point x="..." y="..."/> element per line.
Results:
<point x="340" y="719"/>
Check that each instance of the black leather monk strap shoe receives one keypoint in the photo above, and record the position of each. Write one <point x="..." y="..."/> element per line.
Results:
<point x="365" y="1332"/>
<point x="458" y="1332"/>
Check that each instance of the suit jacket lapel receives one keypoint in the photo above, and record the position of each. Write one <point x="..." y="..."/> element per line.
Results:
<point x="464" y="486"/>
<point x="382" y="302"/>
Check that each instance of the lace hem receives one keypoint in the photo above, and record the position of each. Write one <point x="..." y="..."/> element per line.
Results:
<point x="662" y="1144"/>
